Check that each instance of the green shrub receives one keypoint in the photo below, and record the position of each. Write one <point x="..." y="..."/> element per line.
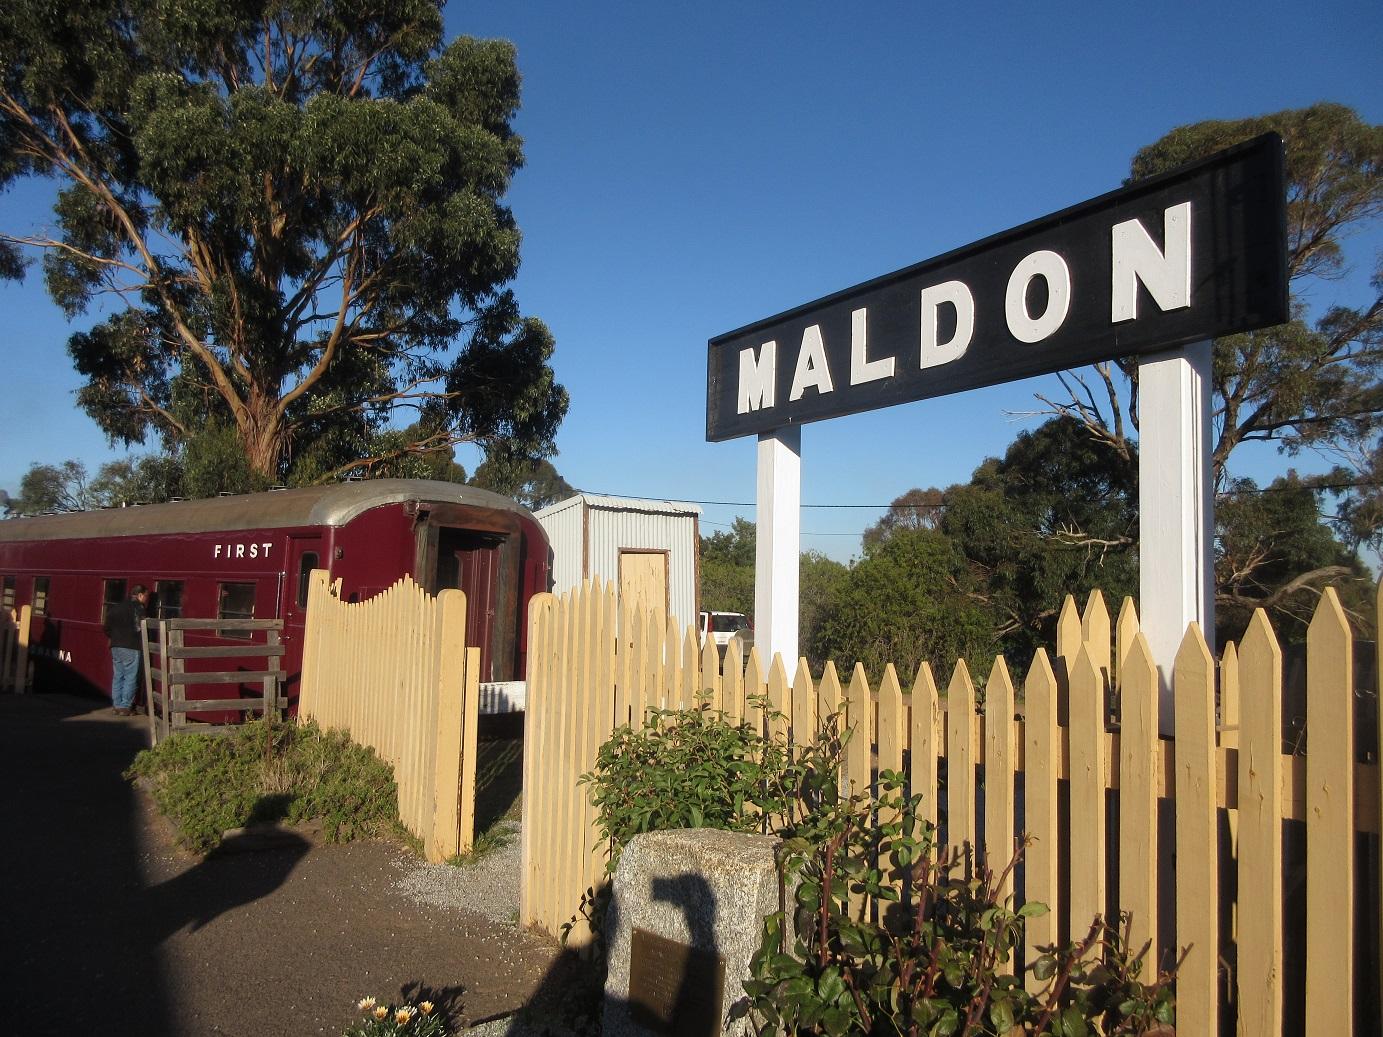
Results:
<point x="937" y="955"/>
<point x="262" y="772"/>
<point x="935" y="958"/>
<point x="693" y="768"/>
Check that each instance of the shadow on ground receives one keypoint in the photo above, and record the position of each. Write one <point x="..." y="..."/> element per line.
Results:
<point x="82" y="928"/>
<point x="108" y="929"/>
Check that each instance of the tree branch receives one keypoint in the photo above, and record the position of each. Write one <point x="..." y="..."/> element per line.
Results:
<point x="1303" y="582"/>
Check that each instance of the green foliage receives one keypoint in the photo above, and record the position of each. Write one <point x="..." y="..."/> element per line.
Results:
<point x="727" y="569"/>
<point x="915" y="509"/>
<point x="533" y="484"/>
<point x="726" y="587"/>
<point x="262" y="772"/>
<point x="1056" y="515"/>
<point x="687" y="769"/>
<point x="935" y="959"/>
<point x="1334" y="161"/>
<point x="299" y="212"/>
<point x="151" y="479"/>
<point x="1358" y="511"/>
<point x="47" y="489"/>
<point x="938" y="958"/>
<point x="736" y="546"/>
<point x="1272" y="550"/>
<point x="908" y="601"/>
<point x="820" y="579"/>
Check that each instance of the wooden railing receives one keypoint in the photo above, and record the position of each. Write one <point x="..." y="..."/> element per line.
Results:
<point x="394" y="673"/>
<point x="166" y="677"/>
<point x="1075" y="763"/>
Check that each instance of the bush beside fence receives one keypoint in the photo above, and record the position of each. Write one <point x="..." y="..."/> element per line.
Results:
<point x="394" y="672"/>
<point x="1186" y="833"/>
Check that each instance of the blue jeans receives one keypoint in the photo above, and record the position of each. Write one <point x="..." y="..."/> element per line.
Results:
<point x="125" y="667"/>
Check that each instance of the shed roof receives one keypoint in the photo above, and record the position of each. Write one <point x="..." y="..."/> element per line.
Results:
<point x="331" y="505"/>
<point x="599" y="501"/>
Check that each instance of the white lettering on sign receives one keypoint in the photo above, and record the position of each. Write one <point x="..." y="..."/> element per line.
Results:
<point x="758" y="377"/>
<point x="1049" y="266"/>
<point x="1135" y="259"/>
<point x="935" y="353"/>
<point x="812" y="371"/>
<point x="255" y="550"/>
<point x="1165" y="273"/>
<point x="862" y="369"/>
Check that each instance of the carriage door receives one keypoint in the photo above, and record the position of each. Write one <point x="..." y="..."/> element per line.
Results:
<point x="469" y="562"/>
<point x="304" y="555"/>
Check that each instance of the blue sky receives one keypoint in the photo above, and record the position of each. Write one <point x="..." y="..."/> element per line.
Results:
<point x="693" y="168"/>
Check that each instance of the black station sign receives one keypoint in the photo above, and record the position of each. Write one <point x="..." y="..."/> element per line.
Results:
<point x="1189" y="255"/>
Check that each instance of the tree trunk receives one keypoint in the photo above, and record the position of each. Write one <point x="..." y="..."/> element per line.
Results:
<point x="263" y="433"/>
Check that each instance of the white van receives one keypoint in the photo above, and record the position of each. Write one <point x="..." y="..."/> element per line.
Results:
<point x="722" y="626"/>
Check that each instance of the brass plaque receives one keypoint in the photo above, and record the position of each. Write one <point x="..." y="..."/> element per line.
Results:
<point x="675" y="989"/>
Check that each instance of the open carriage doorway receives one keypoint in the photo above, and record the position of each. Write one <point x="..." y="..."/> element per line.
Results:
<point x="470" y="562"/>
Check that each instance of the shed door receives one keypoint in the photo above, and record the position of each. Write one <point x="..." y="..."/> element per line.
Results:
<point x="469" y="562"/>
<point x="643" y="578"/>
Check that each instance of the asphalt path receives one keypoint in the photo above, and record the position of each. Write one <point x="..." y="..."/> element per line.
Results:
<point x="107" y="928"/>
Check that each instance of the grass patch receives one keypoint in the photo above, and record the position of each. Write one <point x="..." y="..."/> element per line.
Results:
<point x="496" y="837"/>
<point x="266" y="773"/>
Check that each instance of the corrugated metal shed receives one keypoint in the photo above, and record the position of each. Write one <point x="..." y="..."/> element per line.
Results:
<point x="589" y="533"/>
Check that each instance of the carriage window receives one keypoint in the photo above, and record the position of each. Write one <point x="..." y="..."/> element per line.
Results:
<point x="167" y="603"/>
<point x="237" y="601"/>
<point x="7" y="595"/>
<point x="41" y="595"/>
<point x="305" y="567"/>
<point x="113" y="594"/>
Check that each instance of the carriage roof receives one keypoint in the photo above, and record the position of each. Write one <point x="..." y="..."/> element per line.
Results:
<point x="330" y="505"/>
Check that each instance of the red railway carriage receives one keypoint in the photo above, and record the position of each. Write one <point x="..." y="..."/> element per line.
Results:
<point x="249" y="556"/>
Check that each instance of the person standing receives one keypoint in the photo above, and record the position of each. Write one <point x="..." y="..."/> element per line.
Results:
<point x="122" y="628"/>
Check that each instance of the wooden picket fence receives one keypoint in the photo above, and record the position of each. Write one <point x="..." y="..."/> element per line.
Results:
<point x="14" y="648"/>
<point x="394" y="672"/>
<point x="1187" y="833"/>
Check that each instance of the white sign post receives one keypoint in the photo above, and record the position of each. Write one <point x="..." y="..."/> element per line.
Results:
<point x="778" y="538"/>
<point x="1176" y="530"/>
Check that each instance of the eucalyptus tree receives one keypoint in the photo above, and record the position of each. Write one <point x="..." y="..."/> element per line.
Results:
<point x="289" y="216"/>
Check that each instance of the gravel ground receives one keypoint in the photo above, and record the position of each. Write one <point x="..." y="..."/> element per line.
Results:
<point x="488" y="886"/>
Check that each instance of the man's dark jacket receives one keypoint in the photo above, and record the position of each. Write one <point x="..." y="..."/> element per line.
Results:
<point x="122" y="623"/>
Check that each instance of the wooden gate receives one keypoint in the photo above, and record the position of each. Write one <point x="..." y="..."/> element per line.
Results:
<point x="166" y="678"/>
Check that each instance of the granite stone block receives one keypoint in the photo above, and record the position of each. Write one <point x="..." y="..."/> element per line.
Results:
<point x="702" y="889"/>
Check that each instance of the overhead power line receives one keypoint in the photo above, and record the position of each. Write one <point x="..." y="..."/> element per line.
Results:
<point x="939" y="507"/>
